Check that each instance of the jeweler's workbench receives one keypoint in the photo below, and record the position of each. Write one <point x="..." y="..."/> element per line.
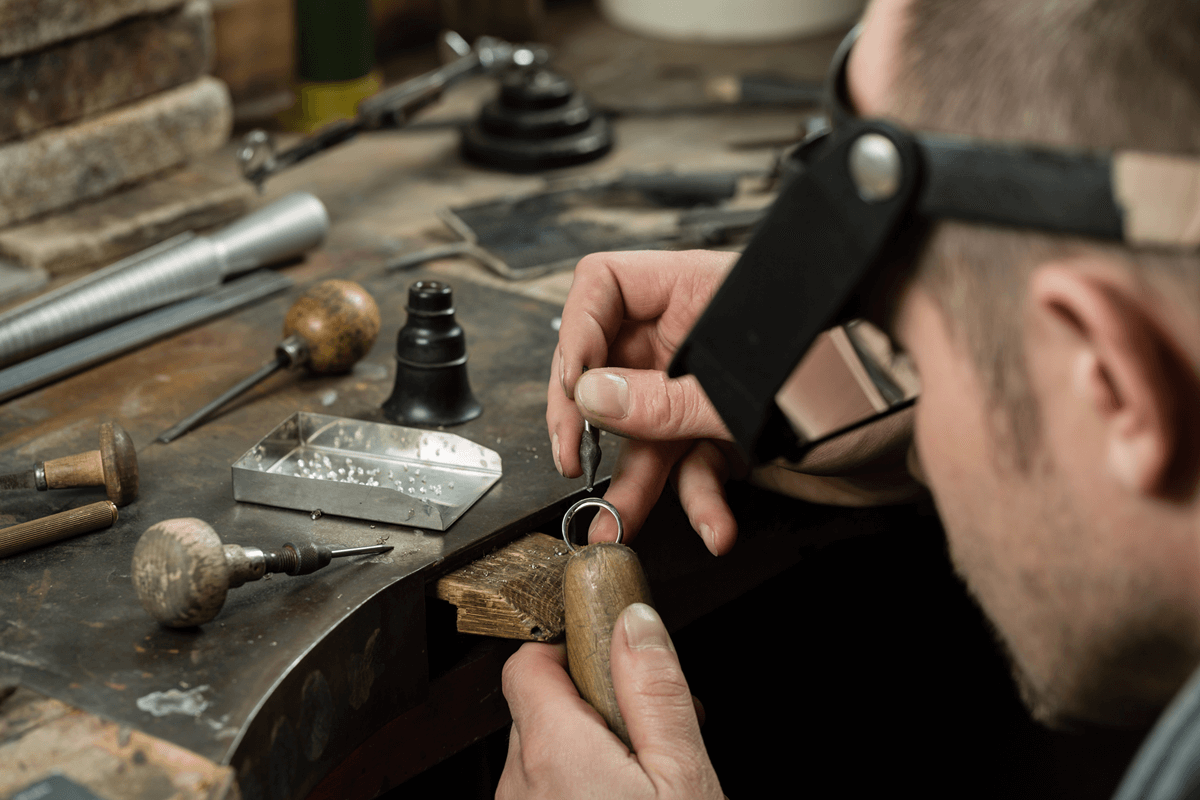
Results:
<point x="299" y="680"/>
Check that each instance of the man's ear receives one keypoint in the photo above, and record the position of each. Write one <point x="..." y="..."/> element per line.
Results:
<point x="1126" y="367"/>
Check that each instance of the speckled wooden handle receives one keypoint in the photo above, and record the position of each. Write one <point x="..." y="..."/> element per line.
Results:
<point x="338" y="321"/>
<point x="179" y="572"/>
<point x="601" y="581"/>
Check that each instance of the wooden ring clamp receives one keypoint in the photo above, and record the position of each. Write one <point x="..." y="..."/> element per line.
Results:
<point x="601" y="581"/>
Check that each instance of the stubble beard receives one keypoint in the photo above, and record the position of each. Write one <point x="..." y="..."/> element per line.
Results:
<point x="1115" y="670"/>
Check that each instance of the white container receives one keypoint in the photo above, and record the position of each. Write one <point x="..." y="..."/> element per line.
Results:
<point x="731" y="21"/>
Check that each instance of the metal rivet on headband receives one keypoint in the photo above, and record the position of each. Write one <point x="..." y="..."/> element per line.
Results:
<point x="875" y="167"/>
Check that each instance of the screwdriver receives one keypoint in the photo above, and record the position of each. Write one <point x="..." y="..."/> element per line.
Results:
<point x="182" y="571"/>
<point x="329" y="328"/>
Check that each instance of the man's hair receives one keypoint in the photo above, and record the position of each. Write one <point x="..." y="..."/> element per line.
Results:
<point x="1107" y="74"/>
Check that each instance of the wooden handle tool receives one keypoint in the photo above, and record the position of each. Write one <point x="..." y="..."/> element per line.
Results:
<point x="182" y="571"/>
<point x="601" y="581"/>
<point x="114" y="466"/>
<point x="328" y="329"/>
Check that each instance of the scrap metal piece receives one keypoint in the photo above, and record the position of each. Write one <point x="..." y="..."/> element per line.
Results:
<point x="366" y="470"/>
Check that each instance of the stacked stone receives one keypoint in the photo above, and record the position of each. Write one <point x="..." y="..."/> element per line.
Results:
<point x="94" y="97"/>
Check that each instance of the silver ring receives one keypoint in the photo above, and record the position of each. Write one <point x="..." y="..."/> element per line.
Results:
<point x="584" y="503"/>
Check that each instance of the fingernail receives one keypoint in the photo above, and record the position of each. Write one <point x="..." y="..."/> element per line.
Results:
<point x="603" y="394"/>
<point x="644" y="629"/>
<point x="706" y="533"/>
<point x="554" y="450"/>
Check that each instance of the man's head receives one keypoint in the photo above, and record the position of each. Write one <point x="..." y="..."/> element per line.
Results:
<point x="1060" y="379"/>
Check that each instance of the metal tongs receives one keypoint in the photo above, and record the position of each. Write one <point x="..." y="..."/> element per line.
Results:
<point x="393" y="107"/>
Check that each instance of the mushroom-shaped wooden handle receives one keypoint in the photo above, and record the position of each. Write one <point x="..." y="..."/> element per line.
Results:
<point x="600" y="582"/>
<point x="114" y="466"/>
<point x="338" y="321"/>
<point x="180" y="573"/>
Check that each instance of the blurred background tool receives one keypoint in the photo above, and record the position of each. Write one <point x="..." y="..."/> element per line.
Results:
<point x="182" y="572"/>
<point x="69" y="358"/>
<point x="114" y="466"/>
<point x="182" y="267"/>
<point x="528" y="235"/>
<point x="328" y="329"/>
<point x="63" y="525"/>
<point x="539" y="121"/>
<point x="393" y="107"/>
<point x="601" y="580"/>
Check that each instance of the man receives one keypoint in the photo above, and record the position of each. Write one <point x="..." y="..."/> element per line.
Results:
<point x="1058" y="427"/>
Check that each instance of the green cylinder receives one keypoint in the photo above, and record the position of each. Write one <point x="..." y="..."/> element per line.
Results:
<point x="333" y="40"/>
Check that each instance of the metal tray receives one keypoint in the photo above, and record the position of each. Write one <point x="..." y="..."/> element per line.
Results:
<point x="367" y="470"/>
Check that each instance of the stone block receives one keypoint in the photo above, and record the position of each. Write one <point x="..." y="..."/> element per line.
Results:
<point x="127" y="221"/>
<point x="27" y="25"/>
<point x="84" y="76"/>
<point x="68" y="165"/>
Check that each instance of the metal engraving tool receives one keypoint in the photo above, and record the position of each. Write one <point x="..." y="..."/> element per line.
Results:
<point x="328" y="329"/>
<point x="182" y="571"/>
<point x="114" y="466"/>
<point x="589" y="451"/>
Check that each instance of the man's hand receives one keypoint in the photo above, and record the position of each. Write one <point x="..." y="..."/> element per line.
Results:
<point x="560" y="747"/>
<point x="624" y="318"/>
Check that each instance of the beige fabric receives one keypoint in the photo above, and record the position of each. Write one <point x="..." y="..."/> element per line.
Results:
<point x="1161" y="198"/>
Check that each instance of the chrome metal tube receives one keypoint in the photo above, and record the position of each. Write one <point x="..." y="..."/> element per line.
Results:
<point x="286" y="228"/>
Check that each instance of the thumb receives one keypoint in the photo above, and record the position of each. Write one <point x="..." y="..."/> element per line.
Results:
<point x="646" y="404"/>
<point x="657" y="705"/>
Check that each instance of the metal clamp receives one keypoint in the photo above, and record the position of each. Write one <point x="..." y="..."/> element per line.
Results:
<point x="584" y="503"/>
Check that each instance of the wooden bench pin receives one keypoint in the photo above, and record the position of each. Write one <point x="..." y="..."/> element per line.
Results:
<point x="601" y="581"/>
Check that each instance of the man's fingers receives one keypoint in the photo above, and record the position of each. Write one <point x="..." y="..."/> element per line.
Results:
<point x="639" y="475"/>
<point x="656" y="703"/>
<point x="699" y="480"/>
<point x="513" y="781"/>
<point x="610" y="289"/>
<point x="646" y="404"/>
<point x="534" y="676"/>
<point x="564" y="425"/>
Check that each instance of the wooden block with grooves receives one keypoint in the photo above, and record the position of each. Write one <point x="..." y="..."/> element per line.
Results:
<point x="513" y="593"/>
